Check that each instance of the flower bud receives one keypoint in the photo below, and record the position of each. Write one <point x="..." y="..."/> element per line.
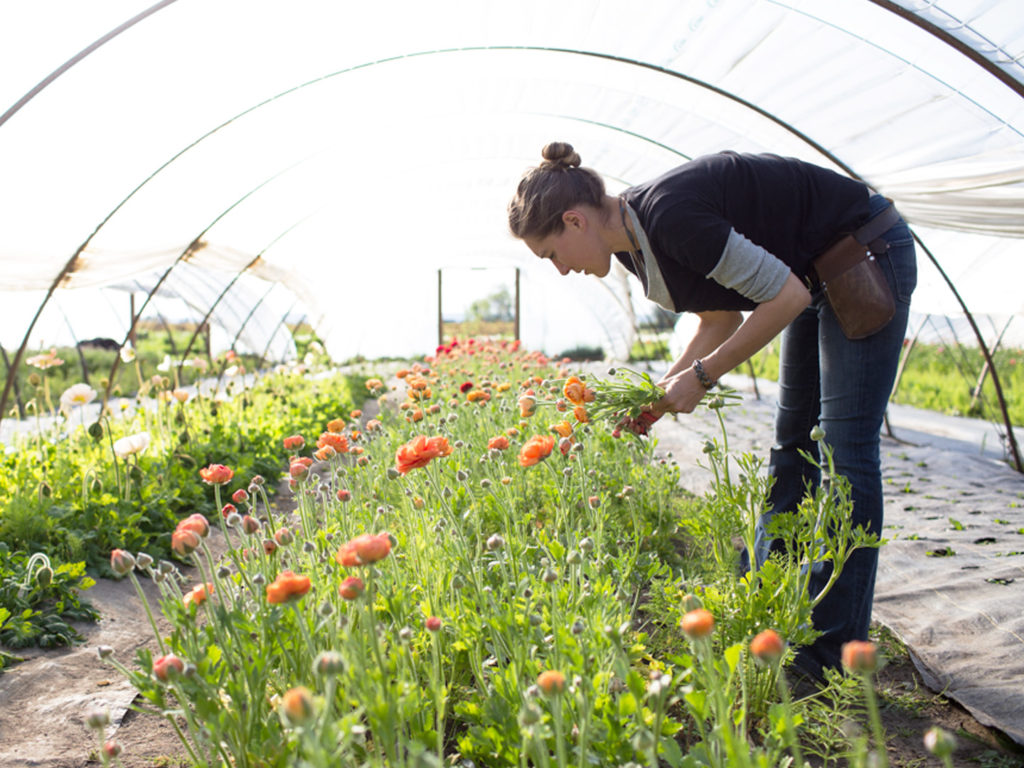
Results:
<point x="111" y="748"/>
<point x="97" y="718"/>
<point x="939" y="742"/>
<point x="529" y="715"/>
<point x="551" y="682"/>
<point x="105" y="651"/>
<point x="297" y="705"/>
<point x="329" y="663"/>
<point x="587" y="544"/>
<point x="495" y="542"/>
<point x="768" y="646"/>
<point x="433" y="624"/>
<point x="143" y="560"/>
<point x="121" y="562"/>
<point x="860" y="656"/>
<point x="698" y="623"/>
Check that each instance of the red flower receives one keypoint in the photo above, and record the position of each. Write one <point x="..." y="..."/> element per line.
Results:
<point x="536" y="449"/>
<point x="168" y="665"/>
<point x="433" y="624"/>
<point x="419" y="452"/>
<point x="240" y="495"/>
<point x="344" y="494"/>
<point x="216" y="474"/>
<point x="228" y="509"/>
<point x="351" y="588"/>
<point x="294" y="442"/>
<point x="287" y="586"/>
<point x="499" y="443"/>
<point x="465" y="386"/>
<point x="364" y="549"/>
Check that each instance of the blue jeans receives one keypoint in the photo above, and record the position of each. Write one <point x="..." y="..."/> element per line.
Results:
<point x="843" y="385"/>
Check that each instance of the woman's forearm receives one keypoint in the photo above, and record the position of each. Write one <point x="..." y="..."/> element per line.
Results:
<point x="712" y="331"/>
<point x="763" y="325"/>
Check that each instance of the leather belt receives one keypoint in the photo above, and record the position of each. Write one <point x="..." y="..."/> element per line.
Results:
<point x="868" y="234"/>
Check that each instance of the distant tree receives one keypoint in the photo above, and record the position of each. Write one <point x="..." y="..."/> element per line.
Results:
<point x="496" y="307"/>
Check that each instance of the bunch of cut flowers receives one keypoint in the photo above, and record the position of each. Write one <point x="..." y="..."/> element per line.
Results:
<point x="625" y="399"/>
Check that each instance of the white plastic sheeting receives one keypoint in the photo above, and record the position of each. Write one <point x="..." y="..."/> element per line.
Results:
<point x="357" y="148"/>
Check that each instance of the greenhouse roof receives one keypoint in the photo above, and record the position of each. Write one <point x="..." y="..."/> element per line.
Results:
<point x="337" y="155"/>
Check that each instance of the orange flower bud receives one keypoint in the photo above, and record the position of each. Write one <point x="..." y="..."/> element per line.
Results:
<point x="860" y="656"/>
<point x="166" y="666"/>
<point x="551" y="682"/>
<point x="768" y="646"/>
<point x="297" y="704"/>
<point x="697" y="624"/>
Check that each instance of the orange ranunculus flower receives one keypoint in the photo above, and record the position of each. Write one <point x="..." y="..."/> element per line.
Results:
<point x="287" y="586"/>
<point x="576" y="392"/>
<point x="581" y="414"/>
<point x="374" y="384"/>
<point x="402" y="373"/>
<point x="216" y="474"/>
<point x="338" y="442"/>
<point x="198" y="594"/>
<point x="196" y="523"/>
<point x="419" y="451"/>
<point x="325" y="453"/>
<point x="500" y="442"/>
<point x="336" y="425"/>
<point x="477" y="395"/>
<point x="356" y="414"/>
<point x="527" y="406"/>
<point x="416" y="414"/>
<point x="294" y="442"/>
<point x="374" y="425"/>
<point x="536" y="449"/>
<point x="184" y="541"/>
<point x="364" y="549"/>
<point x="562" y="429"/>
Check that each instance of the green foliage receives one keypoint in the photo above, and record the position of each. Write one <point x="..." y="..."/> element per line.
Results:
<point x="38" y="602"/>
<point x="65" y="494"/>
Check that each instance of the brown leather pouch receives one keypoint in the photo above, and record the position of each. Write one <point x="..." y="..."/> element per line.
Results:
<point x="856" y="288"/>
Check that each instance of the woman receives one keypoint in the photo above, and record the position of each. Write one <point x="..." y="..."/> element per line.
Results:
<point x="728" y="233"/>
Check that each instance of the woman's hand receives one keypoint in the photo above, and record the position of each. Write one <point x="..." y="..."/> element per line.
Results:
<point x="683" y="392"/>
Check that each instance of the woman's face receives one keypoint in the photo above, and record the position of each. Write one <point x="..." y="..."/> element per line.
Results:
<point x="577" y="248"/>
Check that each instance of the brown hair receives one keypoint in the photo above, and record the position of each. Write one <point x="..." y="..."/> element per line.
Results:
<point x="553" y="187"/>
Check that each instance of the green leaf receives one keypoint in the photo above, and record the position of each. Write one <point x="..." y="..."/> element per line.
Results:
<point x="732" y="656"/>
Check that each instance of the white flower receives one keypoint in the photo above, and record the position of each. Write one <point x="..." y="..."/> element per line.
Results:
<point x="231" y="370"/>
<point x="165" y="364"/>
<point x="132" y="444"/>
<point x="77" y="394"/>
<point x="127" y="353"/>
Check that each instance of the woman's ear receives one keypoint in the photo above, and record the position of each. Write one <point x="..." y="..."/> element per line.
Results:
<point x="574" y="219"/>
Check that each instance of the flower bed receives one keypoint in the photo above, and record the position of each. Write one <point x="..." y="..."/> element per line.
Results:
<point x="481" y="573"/>
<point x="72" y="492"/>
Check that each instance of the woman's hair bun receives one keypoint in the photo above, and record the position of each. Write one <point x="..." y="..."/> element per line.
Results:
<point x="560" y="154"/>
